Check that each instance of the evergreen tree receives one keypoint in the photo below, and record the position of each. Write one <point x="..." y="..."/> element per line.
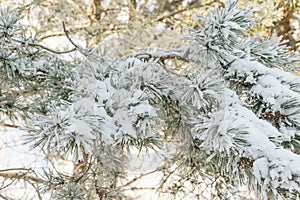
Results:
<point x="228" y="117"/>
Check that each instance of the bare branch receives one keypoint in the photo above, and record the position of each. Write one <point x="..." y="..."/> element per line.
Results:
<point x="9" y="125"/>
<point x="15" y="169"/>
<point x="140" y="188"/>
<point x="21" y="176"/>
<point x="142" y="175"/>
<point x="51" y="35"/>
<point x="43" y="47"/>
<point x="67" y="34"/>
<point x="37" y="191"/>
<point x="190" y="7"/>
<point x="6" y="197"/>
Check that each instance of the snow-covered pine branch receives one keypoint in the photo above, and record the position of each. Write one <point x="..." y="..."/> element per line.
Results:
<point x="261" y="92"/>
<point x="234" y="117"/>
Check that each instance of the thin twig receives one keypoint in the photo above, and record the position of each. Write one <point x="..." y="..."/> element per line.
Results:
<point x="67" y="34"/>
<point x="62" y="33"/>
<point x="6" y="197"/>
<point x="37" y="190"/>
<point x="163" y="181"/>
<point x="9" y="125"/>
<point x="185" y="9"/>
<point x="51" y="35"/>
<point x="22" y="176"/>
<point x="80" y="6"/>
<point x="142" y="175"/>
<point x="140" y="188"/>
<point x="15" y="169"/>
<point x="43" y="47"/>
<point x="7" y="185"/>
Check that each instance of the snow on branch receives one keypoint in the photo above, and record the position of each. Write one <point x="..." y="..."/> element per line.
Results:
<point x="239" y="128"/>
<point x="237" y="114"/>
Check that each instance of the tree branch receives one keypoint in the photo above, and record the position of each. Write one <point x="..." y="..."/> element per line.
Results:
<point x="43" y="47"/>
<point x="67" y="34"/>
<point x="162" y="55"/>
<point x="9" y="125"/>
<point x="142" y="175"/>
<point x="20" y="175"/>
<point x="6" y="197"/>
<point x="190" y="7"/>
<point x="51" y="35"/>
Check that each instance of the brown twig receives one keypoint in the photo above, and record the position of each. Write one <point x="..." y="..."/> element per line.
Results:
<point x="37" y="190"/>
<point x="67" y="34"/>
<point x="21" y="176"/>
<point x="51" y="35"/>
<point x="62" y="33"/>
<point x="6" y="197"/>
<point x="84" y="10"/>
<point x="140" y="188"/>
<point x="43" y="47"/>
<point x="140" y="176"/>
<point x="185" y="9"/>
<point x="82" y="165"/>
<point x="9" y="125"/>
<point x="15" y="169"/>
